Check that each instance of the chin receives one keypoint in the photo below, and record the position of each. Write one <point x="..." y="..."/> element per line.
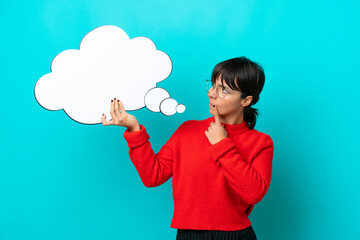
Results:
<point x="211" y="111"/>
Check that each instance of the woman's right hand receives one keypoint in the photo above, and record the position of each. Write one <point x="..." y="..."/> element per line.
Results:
<point x="120" y="117"/>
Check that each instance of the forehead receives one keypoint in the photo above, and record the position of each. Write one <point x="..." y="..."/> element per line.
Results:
<point x="218" y="82"/>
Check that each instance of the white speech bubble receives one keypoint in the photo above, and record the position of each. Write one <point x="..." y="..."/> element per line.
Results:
<point x="108" y="65"/>
<point x="168" y="106"/>
<point x="154" y="97"/>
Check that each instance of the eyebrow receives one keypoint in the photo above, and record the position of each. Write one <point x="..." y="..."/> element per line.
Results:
<point x="224" y="86"/>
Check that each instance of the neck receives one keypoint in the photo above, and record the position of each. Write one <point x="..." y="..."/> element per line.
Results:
<point x="232" y="119"/>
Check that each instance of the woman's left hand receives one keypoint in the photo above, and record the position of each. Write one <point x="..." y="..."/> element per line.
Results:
<point x="216" y="132"/>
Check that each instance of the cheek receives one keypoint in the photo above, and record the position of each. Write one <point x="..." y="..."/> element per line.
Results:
<point x="223" y="109"/>
<point x="228" y="108"/>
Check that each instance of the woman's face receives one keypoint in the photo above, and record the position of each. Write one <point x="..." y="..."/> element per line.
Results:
<point x="230" y="105"/>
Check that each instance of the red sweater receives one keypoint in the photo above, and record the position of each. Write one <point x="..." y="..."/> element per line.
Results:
<point x="215" y="187"/>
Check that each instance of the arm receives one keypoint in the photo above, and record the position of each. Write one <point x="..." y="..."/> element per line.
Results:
<point x="154" y="169"/>
<point x="249" y="181"/>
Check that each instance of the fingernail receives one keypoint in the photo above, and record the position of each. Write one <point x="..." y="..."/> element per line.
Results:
<point x="118" y="101"/>
<point x="112" y="100"/>
<point x="103" y="114"/>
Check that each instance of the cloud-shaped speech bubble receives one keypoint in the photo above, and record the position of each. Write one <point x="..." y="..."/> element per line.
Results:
<point x="109" y="64"/>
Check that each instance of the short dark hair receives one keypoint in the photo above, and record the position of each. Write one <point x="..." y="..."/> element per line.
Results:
<point x="243" y="75"/>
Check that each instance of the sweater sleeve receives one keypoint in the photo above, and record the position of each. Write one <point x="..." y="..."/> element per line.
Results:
<point x="249" y="181"/>
<point x="154" y="169"/>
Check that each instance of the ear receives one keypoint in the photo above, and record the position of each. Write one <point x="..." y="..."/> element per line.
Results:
<point x="247" y="101"/>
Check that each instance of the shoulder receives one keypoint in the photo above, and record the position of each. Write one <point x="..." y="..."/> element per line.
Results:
<point x="194" y="123"/>
<point x="262" y="137"/>
<point x="192" y="126"/>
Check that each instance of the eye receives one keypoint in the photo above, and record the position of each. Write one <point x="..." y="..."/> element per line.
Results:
<point x="225" y="90"/>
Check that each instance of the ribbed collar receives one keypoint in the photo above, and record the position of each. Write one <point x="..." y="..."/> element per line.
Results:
<point x="232" y="128"/>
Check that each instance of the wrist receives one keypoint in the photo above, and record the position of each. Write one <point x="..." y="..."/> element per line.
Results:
<point x="134" y="128"/>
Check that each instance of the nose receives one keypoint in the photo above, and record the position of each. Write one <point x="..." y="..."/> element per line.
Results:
<point x="212" y="93"/>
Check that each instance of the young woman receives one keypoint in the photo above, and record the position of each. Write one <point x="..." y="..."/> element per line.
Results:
<point x="221" y="166"/>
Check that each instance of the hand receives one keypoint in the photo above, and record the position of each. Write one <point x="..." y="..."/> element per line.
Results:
<point x="216" y="132"/>
<point x="120" y="117"/>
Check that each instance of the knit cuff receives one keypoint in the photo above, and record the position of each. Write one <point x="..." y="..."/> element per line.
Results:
<point x="137" y="138"/>
<point x="220" y="148"/>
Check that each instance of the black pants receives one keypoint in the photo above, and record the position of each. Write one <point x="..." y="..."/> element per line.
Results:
<point x="244" y="234"/>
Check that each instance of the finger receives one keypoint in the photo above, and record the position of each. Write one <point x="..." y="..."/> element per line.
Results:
<point x="206" y="133"/>
<point x="117" y="110"/>
<point x="216" y="116"/>
<point x="106" y="122"/>
<point x="112" y="110"/>
<point x="122" y="108"/>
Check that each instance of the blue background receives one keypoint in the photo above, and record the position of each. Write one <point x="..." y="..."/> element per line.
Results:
<point x="63" y="180"/>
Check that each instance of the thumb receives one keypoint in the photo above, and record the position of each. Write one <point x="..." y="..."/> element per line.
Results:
<point x="104" y="121"/>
